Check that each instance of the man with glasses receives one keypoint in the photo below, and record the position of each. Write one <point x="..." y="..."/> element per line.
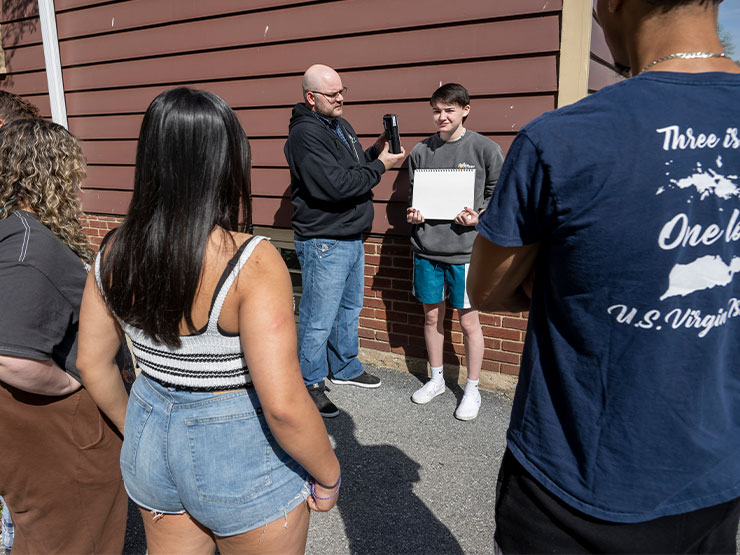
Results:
<point x="331" y="181"/>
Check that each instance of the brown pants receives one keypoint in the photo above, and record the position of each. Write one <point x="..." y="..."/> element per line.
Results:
<point x="60" y="475"/>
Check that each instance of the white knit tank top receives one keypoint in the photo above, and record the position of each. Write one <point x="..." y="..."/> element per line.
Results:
<point x="207" y="361"/>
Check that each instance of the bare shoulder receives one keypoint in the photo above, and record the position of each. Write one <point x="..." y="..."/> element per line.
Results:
<point x="264" y="259"/>
<point x="230" y="241"/>
<point x="264" y="281"/>
<point x="240" y="237"/>
<point x="265" y="263"/>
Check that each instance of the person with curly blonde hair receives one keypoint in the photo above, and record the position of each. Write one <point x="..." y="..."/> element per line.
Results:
<point x="12" y="107"/>
<point x="48" y="187"/>
<point x="61" y="478"/>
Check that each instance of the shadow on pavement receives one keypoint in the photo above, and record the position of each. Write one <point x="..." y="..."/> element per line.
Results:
<point x="380" y="511"/>
<point x="135" y="541"/>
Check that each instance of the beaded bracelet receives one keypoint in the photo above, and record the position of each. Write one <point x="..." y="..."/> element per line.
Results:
<point x="339" y="481"/>
<point x="332" y="496"/>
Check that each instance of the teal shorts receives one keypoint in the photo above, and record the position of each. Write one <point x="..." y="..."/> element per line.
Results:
<point x="436" y="281"/>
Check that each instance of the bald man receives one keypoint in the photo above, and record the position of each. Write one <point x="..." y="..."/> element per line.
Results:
<point x="331" y="181"/>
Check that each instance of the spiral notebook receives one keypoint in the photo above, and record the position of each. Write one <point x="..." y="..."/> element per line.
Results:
<point x="442" y="194"/>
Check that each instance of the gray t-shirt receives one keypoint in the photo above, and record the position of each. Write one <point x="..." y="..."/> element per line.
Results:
<point x="446" y="241"/>
<point x="41" y="285"/>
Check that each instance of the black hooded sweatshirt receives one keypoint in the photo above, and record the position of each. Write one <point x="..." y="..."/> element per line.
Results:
<point x="331" y="184"/>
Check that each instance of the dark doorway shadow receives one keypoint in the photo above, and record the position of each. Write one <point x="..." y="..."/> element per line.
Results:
<point x="380" y="510"/>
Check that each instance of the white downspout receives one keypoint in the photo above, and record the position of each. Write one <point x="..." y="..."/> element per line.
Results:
<point x="47" y="16"/>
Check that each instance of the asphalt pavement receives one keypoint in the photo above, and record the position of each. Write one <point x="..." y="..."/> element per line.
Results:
<point x="415" y="480"/>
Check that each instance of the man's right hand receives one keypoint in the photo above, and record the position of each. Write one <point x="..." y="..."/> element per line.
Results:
<point x="389" y="159"/>
<point x="413" y="216"/>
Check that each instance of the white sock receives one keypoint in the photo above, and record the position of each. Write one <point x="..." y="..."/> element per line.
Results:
<point x="437" y="374"/>
<point x="471" y="387"/>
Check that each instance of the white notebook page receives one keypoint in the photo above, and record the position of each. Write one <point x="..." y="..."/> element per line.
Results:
<point x="443" y="194"/>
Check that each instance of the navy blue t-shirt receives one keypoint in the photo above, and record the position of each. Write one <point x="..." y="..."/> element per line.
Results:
<point x="628" y="402"/>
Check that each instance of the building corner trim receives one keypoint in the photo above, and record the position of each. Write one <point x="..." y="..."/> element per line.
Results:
<point x="52" y="59"/>
<point x="575" y="51"/>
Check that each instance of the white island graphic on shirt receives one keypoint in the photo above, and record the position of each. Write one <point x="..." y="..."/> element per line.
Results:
<point x="707" y="183"/>
<point x="703" y="273"/>
<point x="706" y="271"/>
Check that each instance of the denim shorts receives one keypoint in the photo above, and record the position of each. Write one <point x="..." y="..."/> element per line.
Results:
<point x="210" y="455"/>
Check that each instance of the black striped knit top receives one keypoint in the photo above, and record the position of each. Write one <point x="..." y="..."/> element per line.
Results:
<point x="207" y="361"/>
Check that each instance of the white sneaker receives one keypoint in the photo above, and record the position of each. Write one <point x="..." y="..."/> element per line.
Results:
<point x="427" y="392"/>
<point x="469" y="406"/>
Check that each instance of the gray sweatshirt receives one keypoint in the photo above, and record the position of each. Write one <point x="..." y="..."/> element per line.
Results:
<point x="446" y="241"/>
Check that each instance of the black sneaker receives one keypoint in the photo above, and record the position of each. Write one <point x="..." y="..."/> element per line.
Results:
<point x="363" y="380"/>
<point x="327" y="409"/>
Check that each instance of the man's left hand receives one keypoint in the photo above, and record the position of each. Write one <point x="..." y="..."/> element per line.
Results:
<point x="468" y="217"/>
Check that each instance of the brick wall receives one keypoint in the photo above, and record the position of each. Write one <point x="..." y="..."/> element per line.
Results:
<point x="97" y="226"/>
<point x="392" y="320"/>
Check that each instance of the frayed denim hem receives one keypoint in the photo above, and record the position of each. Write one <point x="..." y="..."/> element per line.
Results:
<point x="300" y="497"/>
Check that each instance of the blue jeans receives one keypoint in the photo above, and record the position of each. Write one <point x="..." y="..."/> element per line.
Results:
<point x="333" y="287"/>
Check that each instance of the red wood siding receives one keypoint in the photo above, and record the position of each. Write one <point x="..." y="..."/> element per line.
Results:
<point x="117" y="57"/>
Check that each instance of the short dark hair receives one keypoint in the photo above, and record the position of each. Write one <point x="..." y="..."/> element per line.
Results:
<point x="451" y="93"/>
<point x="13" y="107"/>
<point x="192" y="174"/>
<point x="667" y="5"/>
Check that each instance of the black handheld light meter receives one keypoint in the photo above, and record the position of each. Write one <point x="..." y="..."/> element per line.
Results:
<point x="390" y="123"/>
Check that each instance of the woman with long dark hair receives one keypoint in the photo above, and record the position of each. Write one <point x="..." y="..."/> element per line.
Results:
<point x="220" y="435"/>
<point x="59" y="472"/>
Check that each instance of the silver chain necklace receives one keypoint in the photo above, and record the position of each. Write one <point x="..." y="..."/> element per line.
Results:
<point x="684" y="56"/>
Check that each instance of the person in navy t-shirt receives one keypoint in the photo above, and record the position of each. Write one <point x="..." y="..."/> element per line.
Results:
<point x="620" y="217"/>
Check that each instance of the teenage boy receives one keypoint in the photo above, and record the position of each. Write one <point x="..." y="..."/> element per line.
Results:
<point x="442" y="248"/>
